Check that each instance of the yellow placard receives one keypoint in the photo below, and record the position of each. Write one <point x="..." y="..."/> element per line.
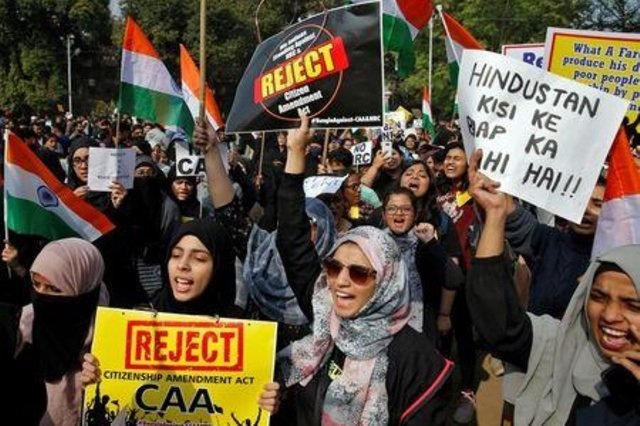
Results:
<point x="606" y="61"/>
<point x="167" y="369"/>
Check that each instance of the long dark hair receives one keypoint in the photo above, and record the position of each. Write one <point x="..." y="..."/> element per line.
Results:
<point x="426" y="206"/>
<point x="444" y="184"/>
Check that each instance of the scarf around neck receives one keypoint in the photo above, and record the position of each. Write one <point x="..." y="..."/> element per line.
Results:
<point x="359" y="395"/>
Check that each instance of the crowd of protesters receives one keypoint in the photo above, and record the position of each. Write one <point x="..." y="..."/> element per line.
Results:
<point x="417" y="263"/>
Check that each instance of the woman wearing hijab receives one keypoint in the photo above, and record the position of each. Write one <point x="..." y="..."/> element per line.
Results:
<point x="265" y="276"/>
<point x="200" y="280"/>
<point x="361" y="364"/>
<point x="183" y="191"/>
<point x="582" y="370"/>
<point x="200" y="272"/>
<point x="120" y="276"/>
<point x="67" y="279"/>
<point x="78" y="177"/>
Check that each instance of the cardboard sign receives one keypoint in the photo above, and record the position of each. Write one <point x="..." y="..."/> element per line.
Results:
<point x="188" y="162"/>
<point x="530" y="53"/>
<point x="107" y="165"/>
<point x="396" y="119"/>
<point x="607" y="61"/>
<point x="544" y="137"/>
<point x="328" y="67"/>
<point x="160" y="369"/>
<point x="316" y="185"/>
<point x="362" y="153"/>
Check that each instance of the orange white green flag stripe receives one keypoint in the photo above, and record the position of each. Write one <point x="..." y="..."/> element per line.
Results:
<point x="37" y="203"/>
<point x="402" y="20"/>
<point x="458" y="39"/>
<point x="190" y="75"/>
<point x="147" y="90"/>
<point x="619" y="222"/>
<point x="427" y="117"/>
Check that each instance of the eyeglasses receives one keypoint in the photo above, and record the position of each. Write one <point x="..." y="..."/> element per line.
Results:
<point x="357" y="273"/>
<point x="399" y="209"/>
<point x="80" y="160"/>
<point x="353" y="187"/>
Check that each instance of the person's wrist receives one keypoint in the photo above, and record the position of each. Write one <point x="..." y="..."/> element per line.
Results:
<point x="443" y="314"/>
<point x="496" y="214"/>
<point x="296" y="149"/>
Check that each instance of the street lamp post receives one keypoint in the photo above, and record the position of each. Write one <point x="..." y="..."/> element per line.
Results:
<point x="69" y="41"/>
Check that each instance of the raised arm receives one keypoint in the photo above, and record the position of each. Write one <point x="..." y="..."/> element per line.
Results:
<point x="297" y="251"/>
<point x="496" y="314"/>
<point x="220" y="186"/>
<point x="229" y="210"/>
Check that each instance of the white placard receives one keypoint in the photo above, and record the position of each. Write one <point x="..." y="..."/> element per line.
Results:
<point x="316" y="185"/>
<point x="189" y="163"/>
<point x="530" y="53"/>
<point x="362" y="153"/>
<point x="544" y="137"/>
<point x="107" y="165"/>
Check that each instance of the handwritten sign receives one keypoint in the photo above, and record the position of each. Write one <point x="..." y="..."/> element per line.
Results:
<point x="160" y="369"/>
<point x="607" y="61"/>
<point x="316" y="185"/>
<point x="362" y="153"/>
<point x="107" y="165"/>
<point x="544" y="137"/>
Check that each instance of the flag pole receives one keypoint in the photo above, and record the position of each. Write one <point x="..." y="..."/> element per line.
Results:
<point x="261" y="154"/>
<point x="325" y="148"/>
<point x="430" y="54"/>
<point x="4" y="194"/>
<point x="455" y="54"/>
<point x="117" y="142"/>
<point x="446" y="30"/>
<point x="203" y="58"/>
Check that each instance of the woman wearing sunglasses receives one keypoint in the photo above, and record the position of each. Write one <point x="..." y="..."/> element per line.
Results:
<point x="361" y="364"/>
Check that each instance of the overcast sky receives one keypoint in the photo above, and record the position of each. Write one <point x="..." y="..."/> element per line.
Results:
<point x="115" y="8"/>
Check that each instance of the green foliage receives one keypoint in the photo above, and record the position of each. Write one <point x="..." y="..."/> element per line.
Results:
<point x="33" y="45"/>
<point x="493" y="23"/>
<point x="33" y="55"/>
<point x="231" y="33"/>
<point x="612" y="15"/>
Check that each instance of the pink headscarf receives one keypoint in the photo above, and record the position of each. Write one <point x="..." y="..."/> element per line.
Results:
<point x="76" y="267"/>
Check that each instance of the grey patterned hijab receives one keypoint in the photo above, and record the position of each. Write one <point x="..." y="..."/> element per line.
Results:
<point x="264" y="274"/>
<point x="359" y="395"/>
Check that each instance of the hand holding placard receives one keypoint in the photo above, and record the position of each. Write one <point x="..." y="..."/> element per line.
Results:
<point x="108" y="165"/>
<point x="532" y="126"/>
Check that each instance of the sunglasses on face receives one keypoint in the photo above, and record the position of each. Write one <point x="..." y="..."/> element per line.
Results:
<point x="357" y="273"/>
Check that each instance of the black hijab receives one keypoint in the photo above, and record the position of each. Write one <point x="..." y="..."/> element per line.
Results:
<point x="100" y="200"/>
<point x="191" y="206"/>
<point x="219" y="295"/>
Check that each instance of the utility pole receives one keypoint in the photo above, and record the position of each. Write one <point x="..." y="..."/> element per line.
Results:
<point x="70" y="38"/>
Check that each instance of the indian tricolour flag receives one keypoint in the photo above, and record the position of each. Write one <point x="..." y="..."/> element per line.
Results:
<point x="458" y="39"/>
<point x="402" y="20"/>
<point x="37" y="203"/>
<point x="190" y="75"/>
<point x="147" y="90"/>
<point x="427" y="117"/>
<point x="619" y="222"/>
